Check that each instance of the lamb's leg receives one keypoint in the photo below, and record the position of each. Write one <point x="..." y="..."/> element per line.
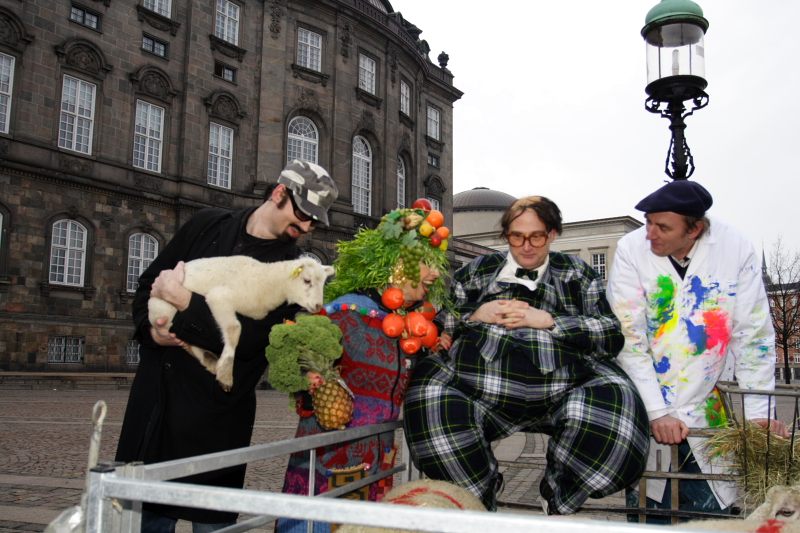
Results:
<point x="219" y="300"/>
<point x="158" y="308"/>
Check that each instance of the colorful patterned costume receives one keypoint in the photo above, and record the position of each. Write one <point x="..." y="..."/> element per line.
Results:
<point x="377" y="374"/>
<point x="563" y="382"/>
<point x="682" y="336"/>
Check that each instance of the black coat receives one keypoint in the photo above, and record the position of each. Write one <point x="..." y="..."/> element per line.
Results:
<point x="176" y="408"/>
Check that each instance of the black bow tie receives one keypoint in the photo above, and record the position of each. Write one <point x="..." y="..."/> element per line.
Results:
<point x="525" y="273"/>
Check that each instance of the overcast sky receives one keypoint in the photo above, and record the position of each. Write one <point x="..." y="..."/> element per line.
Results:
<point x="554" y="104"/>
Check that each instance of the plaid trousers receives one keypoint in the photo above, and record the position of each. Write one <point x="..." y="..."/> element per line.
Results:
<point x="457" y="405"/>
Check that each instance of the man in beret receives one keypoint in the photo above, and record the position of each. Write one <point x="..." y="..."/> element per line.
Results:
<point x="694" y="311"/>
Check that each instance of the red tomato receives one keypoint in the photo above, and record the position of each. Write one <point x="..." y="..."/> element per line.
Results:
<point x="428" y="310"/>
<point x="431" y="337"/>
<point x="422" y="203"/>
<point x="410" y="345"/>
<point x="416" y="324"/>
<point x="392" y="298"/>
<point x="435" y="240"/>
<point x="393" y="325"/>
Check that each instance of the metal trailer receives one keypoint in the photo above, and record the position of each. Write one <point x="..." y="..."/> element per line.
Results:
<point x="115" y="492"/>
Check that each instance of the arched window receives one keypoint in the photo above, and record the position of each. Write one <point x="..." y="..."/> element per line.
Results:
<point x="142" y="249"/>
<point x="68" y="253"/>
<point x="401" y="182"/>
<point x="303" y="142"/>
<point x="362" y="175"/>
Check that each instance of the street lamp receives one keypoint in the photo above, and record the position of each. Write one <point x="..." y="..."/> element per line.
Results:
<point x="673" y="35"/>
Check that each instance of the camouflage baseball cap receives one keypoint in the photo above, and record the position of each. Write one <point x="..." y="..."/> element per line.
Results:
<point x="313" y="189"/>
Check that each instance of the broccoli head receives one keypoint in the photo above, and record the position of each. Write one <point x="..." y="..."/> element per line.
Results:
<point x="313" y="343"/>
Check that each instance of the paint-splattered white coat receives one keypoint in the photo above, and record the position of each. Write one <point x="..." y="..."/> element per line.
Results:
<point x="684" y="335"/>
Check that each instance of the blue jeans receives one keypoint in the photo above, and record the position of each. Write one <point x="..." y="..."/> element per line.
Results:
<point x="694" y="495"/>
<point x="292" y="525"/>
<point x="156" y="523"/>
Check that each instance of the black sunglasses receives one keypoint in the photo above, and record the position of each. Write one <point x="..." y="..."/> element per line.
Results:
<point x="300" y="215"/>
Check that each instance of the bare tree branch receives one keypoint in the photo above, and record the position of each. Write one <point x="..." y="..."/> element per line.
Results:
<point x="783" y="290"/>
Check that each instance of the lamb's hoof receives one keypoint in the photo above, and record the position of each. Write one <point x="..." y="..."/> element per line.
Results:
<point x="225" y="387"/>
<point x="225" y="374"/>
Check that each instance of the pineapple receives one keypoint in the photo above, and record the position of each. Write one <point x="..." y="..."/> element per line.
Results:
<point x="333" y="404"/>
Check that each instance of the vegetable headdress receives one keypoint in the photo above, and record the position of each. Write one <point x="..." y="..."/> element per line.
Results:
<point x="392" y="252"/>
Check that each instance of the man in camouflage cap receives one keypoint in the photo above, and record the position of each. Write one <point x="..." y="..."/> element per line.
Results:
<point x="176" y="409"/>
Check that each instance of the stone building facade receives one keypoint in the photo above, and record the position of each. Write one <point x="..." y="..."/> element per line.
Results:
<point x="119" y="120"/>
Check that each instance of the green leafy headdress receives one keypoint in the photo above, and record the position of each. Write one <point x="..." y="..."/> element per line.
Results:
<point x="391" y="253"/>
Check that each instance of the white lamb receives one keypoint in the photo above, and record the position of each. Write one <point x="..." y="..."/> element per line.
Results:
<point x="241" y="284"/>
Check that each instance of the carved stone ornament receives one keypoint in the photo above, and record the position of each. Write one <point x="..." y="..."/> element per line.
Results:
<point x="12" y="31"/>
<point x="443" y="60"/>
<point x="393" y="65"/>
<point x="221" y="198"/>
<point x="227" y="49"/>
<point x="434" y="186"/>
<point x="307" y="99"/>
<point x="153" y="82"/>
<point x="158" y="21"/>
<point x="73" y="165"/>
<point x="147" y="183"/>
<point x="366" y="122"/>
<point x="275" y="14"/>
<point x="346" y="39"/>
<point x="405" y="142"/>
<point x="224" y="105"/>
<point x="84" y="56"/>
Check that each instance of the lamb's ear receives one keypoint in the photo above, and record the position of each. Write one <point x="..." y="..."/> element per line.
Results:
<point x="297" y="271"/>
<point x="329" y="271"/>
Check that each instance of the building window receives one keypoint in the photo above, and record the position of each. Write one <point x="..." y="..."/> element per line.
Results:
<point x="220" y="155"/>
<point x="405" y="98"/>
<point x="77" y="115"/>
<point x="84" y="17"/>
<point x="68" y="253"/>
<point x="435" y="204"/>
<point x="225" y="72"/>
<point x="401" y="182"/>
<point x="227" y="24"/>
<point x="309" y="49"/>
<point x="142" y="249"/>
<point x="64" y="349"/>
<point x="303" y="141"/>
<point x="366" y="73"/>
<point x="132" y="353"/>
<point x="162" y="7"/>
<point x="147" y="136"/>
<point x="154" y="46"/>
<point x="362" y="176"/>
<point x="6" y="88"/>
<point x="433" y="123"/>
<point x="599" y="263"/>
<point x="433" y="160"/>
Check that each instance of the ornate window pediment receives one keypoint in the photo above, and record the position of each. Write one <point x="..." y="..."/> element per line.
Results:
<point x="83" y="56"/>
<point x="154" y="82"/>
<point x="225" y="106"/>
<point x="12" y="31"/>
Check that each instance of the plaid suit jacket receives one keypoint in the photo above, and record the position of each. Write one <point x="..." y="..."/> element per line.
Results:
<point x="570" y="290"/>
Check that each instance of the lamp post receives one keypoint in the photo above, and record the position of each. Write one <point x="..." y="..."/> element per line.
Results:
<point x="673" y="35"/>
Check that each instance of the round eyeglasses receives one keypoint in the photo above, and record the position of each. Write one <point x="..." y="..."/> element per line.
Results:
<point x="537" y="239"/>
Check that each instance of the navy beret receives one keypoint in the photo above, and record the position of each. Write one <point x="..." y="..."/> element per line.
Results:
<point x="680" y="196"/>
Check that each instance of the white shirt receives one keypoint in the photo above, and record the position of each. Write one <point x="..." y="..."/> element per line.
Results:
<point x="509" y="271"/>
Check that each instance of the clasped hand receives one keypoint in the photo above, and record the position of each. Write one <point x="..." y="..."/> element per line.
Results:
<point x="169" y="287"/>
<point x="512" y="314"/>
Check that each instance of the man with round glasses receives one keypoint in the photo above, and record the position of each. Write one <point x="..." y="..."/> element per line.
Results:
<point x="176" y="408"/>
<point x="533" y="342"/>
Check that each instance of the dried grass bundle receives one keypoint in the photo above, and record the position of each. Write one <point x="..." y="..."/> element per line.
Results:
<point x="758" y="465"/>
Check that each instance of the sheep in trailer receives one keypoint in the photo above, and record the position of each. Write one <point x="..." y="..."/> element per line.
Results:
<point x="241" y="284"/>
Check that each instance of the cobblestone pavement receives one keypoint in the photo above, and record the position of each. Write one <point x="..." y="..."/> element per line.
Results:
<point x="44" y="441"/>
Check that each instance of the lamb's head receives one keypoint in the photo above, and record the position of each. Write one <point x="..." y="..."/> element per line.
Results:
<point x="306" y="283"/>
<point x="782" y="503"/>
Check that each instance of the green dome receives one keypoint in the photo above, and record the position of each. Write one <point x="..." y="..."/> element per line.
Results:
<point x="671" y="11"/>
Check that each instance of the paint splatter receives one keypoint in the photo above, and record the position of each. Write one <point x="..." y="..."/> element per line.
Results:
<point x="662" y="367"/>
<point x="663" y="302"/>
<point x="716" y="416"/>
<point x="717" y="329"/>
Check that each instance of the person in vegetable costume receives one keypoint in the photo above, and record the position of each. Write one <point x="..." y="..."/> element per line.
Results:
<point x="384" y="275"/>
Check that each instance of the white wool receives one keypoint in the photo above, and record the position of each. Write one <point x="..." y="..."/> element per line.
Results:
<point x="241" y="284"/>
